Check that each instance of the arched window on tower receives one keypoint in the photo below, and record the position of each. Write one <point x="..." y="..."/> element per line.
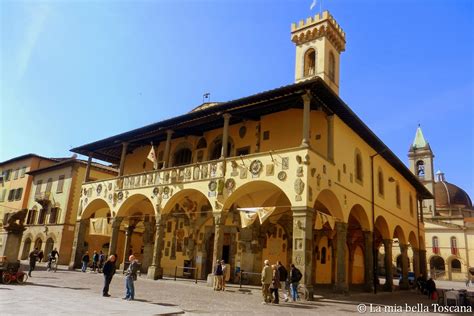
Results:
<point x="332" y="67"/>
<point x="420" y="168"/>
<point x="310" y="62"/>
<point x="454" y="246"/>
<point x="435" y="244"/>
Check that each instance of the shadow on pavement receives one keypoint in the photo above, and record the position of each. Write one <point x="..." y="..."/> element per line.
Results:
<point x="5" y="288"/>
<point x="59" y="287"/>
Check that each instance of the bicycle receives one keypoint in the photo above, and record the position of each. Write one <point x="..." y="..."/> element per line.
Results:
<point x="52" y="265"/>
<point x="8" y="276"/>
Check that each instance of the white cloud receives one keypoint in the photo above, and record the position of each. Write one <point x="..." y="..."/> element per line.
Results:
<point x="37" y="15"/>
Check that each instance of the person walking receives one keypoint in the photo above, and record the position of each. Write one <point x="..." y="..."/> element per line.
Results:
<point x="40" y="256"/>
<point x="33" y="257"/>
<point x="295" y="277"/>
<point x="283" y="280"/>
<point x="52" y="257"/>
<point x="218" y="276"/>
<point x="267" y="275"/>
<point x="108" y="271"/>
<point x="101" y="261"/>
<point x="275" y="285"/>
<point x="130" y="277"/>
<point x="85" y="261"/>
<point x="224" y="272"/>
<point x="95" y="261"/>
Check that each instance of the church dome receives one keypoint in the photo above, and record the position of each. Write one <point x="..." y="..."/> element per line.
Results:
<point x="448" y="195"/>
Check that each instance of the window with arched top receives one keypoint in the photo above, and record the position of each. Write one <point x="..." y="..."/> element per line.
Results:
<point x="435" y="244"/>
<point x="381" y="183"/>
<point x="420" y="168"/>
<point x="310" y="62"/>
<point x="202" y="143"/>
<point x="455" y="265"/>
<point x="397" y="195"/>
<point x="358" y="170"/>
<point x="332" y="66"/>
<point x="49" y="185"/>
<point x="182" y="157"/>
<point x="454" y="246"/>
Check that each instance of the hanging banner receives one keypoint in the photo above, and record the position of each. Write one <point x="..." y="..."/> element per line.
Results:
<point x="247" y="218"/>
<point x="100" y="226"/>
<point x="264" y="213"/>
<point x="322" y="218"/>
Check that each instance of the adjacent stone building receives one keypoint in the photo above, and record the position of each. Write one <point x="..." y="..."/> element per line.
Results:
<point x="53" y="203"/>
<point x="290" y="174"/>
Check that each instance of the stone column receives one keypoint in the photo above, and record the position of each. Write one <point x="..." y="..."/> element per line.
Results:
<point x="341" y="277"/>
<point x="423" y="262"/>
<point x="306" y="118"/>
<point x="166" y="156"/>
<point x="388" y="286"/>
<point x="88" y="168"/>
<point x="122" y="158"/>
<point x="416" y="262"/>
<point x="302" y="256"/>
<point x="116" y="222"/>
<point x="147" y="245"/>
<point x="404" y="285"/>
<point x="155" y="271"/>
<point x="225" y="135"/>
<point x="368" y="262"/>
<point x="218" y="237"/>
<point x="128" y="241"/>
<point x="78" y="244"/>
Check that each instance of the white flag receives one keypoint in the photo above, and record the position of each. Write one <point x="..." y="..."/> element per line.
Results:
<point x="152" y="157"/>
<point x="313" y="5"/>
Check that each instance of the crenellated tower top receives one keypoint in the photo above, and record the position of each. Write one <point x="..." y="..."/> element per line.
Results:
<point x="319" y="42"/>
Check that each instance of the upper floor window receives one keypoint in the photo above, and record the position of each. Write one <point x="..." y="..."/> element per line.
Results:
<point x="42" y="216"/>
<point x="7" y="174"/>
<point x="2" y="195"/>
<point x="18" y="194"/>
<point x="39" y="184"/>
<point x="454" y="245"/>
<point x="201" y="143"/>
<point x="49" y="185"/>
<point x="31" y="216"/>
<point x="397" y="195"/>
<point x="182" y="157"/>
<point x="11" y="195"/>
<point x="15" y="175"/>
<point x="420" y="168"/>
<point x="359" y="175"/>
<point x="59" y="189"/>
<point x="435" y="244"/>
<point x="381" y="183"/>
<point x="53" y="215"/>
<point x="310" y="62"/>
<point x="332" y="66"/>
<point x="22" y="172"/>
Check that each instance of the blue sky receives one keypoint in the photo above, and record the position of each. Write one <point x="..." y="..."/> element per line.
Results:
<point x="72" y="72"/>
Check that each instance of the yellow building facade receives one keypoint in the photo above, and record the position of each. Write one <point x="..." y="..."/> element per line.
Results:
<point x="290" y="174"/>
<point x="52" y="206"/>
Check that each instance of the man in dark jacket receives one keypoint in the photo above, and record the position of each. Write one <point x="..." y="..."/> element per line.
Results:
<point x="285" y="285"/>
<point x="85" y="261"/>
<point x="130" y="277"/>
<point x="108" y="271"/>
<point x="33" y="257"/>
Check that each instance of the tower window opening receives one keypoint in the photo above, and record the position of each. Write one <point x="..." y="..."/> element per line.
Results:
<point x="454" y="246"/>
<point x="332" y="67"/>
<point x="435" y="244"/>
<point x="420" y="168"/>
<point x="310" y="62"/>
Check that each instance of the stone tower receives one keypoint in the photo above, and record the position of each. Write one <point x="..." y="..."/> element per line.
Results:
<point x="319" y="42"/>
<point x="421" y="157"/>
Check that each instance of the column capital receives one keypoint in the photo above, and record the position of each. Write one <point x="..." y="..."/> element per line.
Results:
<point x="301" y="210"/>
<point x="169" y="132"/>
<point x="404" y="247"/>
<point x="341" y="227"/>
<point x="226" y="116"/>
<point x="219" y="218"/>
<point x="307" y="96"/>
<point x="387" y="242"/>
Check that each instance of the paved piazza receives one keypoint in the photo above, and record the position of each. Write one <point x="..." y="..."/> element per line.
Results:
<point x="74" y="293"/>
